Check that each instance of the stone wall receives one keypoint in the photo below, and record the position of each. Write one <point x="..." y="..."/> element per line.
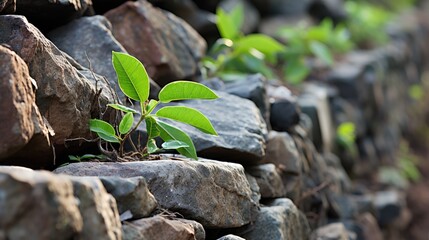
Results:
<point x="276" y="170"/>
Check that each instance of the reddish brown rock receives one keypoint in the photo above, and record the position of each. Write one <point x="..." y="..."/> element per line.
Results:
<point x="21" y="122"/>
<point x="168" y="47"/>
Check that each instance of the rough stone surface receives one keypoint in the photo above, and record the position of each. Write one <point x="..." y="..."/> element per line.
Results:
<point x="333" y="231"/>
<point x="284" y="110"/>
<point x="240" y="127"/>
<point x="231" y="237"/>
<point x="256" y="194"/>
<point x="159" y="228"/>
<point x="7" y="6"/>
<point x="66" y="90"/>
<point x="269" y="180"/>
<point x="253" y="87"/>
<point x="48" y="14"/>
<point x="279" y="220"/>
<point x="20" y="117"/>
<point x="131" y="194"/>
<point x="216" y="194"/>
<point x="171" y="47"/>
<point x="282" y="151"/>
<point x="98" y="209"/>
<point x="32" y="204"/>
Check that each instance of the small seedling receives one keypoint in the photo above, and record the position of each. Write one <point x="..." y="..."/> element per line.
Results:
<point x="134" y="83"/>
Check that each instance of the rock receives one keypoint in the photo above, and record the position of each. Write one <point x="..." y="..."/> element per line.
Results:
<point x="284" y="110"/>
<point x="332" y="9"/>
<point x="48" y="14"/>
<point x="37" y="205"/>
<point x="131" y="194"/>
<point x="349" y="206"/>
<point x="341" y="182"/>
<point x="159" y="228"/>
<point x="20" y="117"/>
<point x="389" y="206"/>
<point x="370" y="227"/>
<point x="66" y="90"/>
<point x="279" y="220"/>
<point x="240" y="127"/>
<point x="7" y="6"/>
<point x="333" y="231"/>
<point x="253" y="87"/>
<point x="269" y="180"/>
<point x="231" y="237"/>
<point x="200" y="232"/>
<point x="216" y="194"/>
<point x="171" y="48"/>
<point x="251" y="17"/>
<point x="98" y="208"/>
<point x="256" y="194"/>
<point x="282" y="151"/>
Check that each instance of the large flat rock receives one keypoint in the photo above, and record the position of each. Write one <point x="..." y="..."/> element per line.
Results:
<point x="216" y="194"/>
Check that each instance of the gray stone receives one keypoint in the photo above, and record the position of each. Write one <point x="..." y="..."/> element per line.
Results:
<point x="282" y="151"/>
<point x="66" y="91"/>
<point x="269" y="180"/>
<point x="20" y="117"/>
<point x="284" y="110"/>
<point x="131" y="194"/>
<point x="256" y="194"/>
<point x="231" y="237"/>
<point x="240" y="127"/>
<point x="333" y="231"/>
<point x="98" y="209"/>
<point x="171" y="48"/>
<point x="47" y="14"/>
<point x="341" y="182"/>
<point x="252" y="87"/>
<point x="279" y="220"/>
<point x="159" y="228"/>
<point x="216" y="194"/>
<point x="389" y="206"/>
<point x="7" y="6"/>
<point x="37" y="205"/>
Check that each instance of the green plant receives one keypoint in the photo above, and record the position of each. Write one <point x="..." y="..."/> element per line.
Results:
<point x="235" y="54"/>
<point x="134" y="83"/>
<point x="320" y="41"/>
<point x="346" y="136"/>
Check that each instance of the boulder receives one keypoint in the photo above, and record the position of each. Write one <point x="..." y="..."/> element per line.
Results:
<point x="216" y="194"/>
<point x="37" y="205"/>
<point x="131" y="194"/>
<point x="98" y="209"/>
<point x="282" y="151"/>
<point x="67" y="93"/>
<point x="269" y="180"/>
<point x="74" y="37"/>
<point x="22" y="125"/>
<point x="333" y="231"/>
<point x="46" y="14"/>
<point x="160" y="228"/>
<point x="171" y="49"/>
<point x="239" y="124"/>
<point x="281" y="219"/>
<point x="7" y="6"/>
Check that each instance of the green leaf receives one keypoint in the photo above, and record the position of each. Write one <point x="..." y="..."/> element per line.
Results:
<point x="182" y="90"/>
<point x="151" y="105"/>
<point x="296" y="71"/>
<point x="122" y="108"/>
<point x="74" y="158"/>
<point x="260" y="42"/>
<point x="229" y="24"/>
<point x="103" y="129"/>
<point x="322" y="52"/>
<point x="126" y="123"/>
<point x="151" y="146"/>
<point x="132" y="76"/>
<point x="151" y="127"/>
<point x="174" y="144"/>
<point x="169" y="132"/>
<point x="189" y="116"/>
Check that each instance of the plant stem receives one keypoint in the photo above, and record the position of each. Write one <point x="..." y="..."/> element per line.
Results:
<point x="121" y="147"/>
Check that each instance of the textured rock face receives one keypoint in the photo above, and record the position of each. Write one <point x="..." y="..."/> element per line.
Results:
<point x="7" y="6"/>
<point x="240" y="127"/>
<point x="333" y="231"/>
<point x="269" y="180"/>
<point x="279" y="220"/>
<point x="168" y="47"/>
<point x="282" y="151"/>
<point x="48" y="14"/>
<point x="32" y="205"/>
<point x="131" y="194"/>
<point x="20" y="117"/>
<point x="66" y="90"/>
<point x="216" y="194"/>
<point x="160" y="228"/>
